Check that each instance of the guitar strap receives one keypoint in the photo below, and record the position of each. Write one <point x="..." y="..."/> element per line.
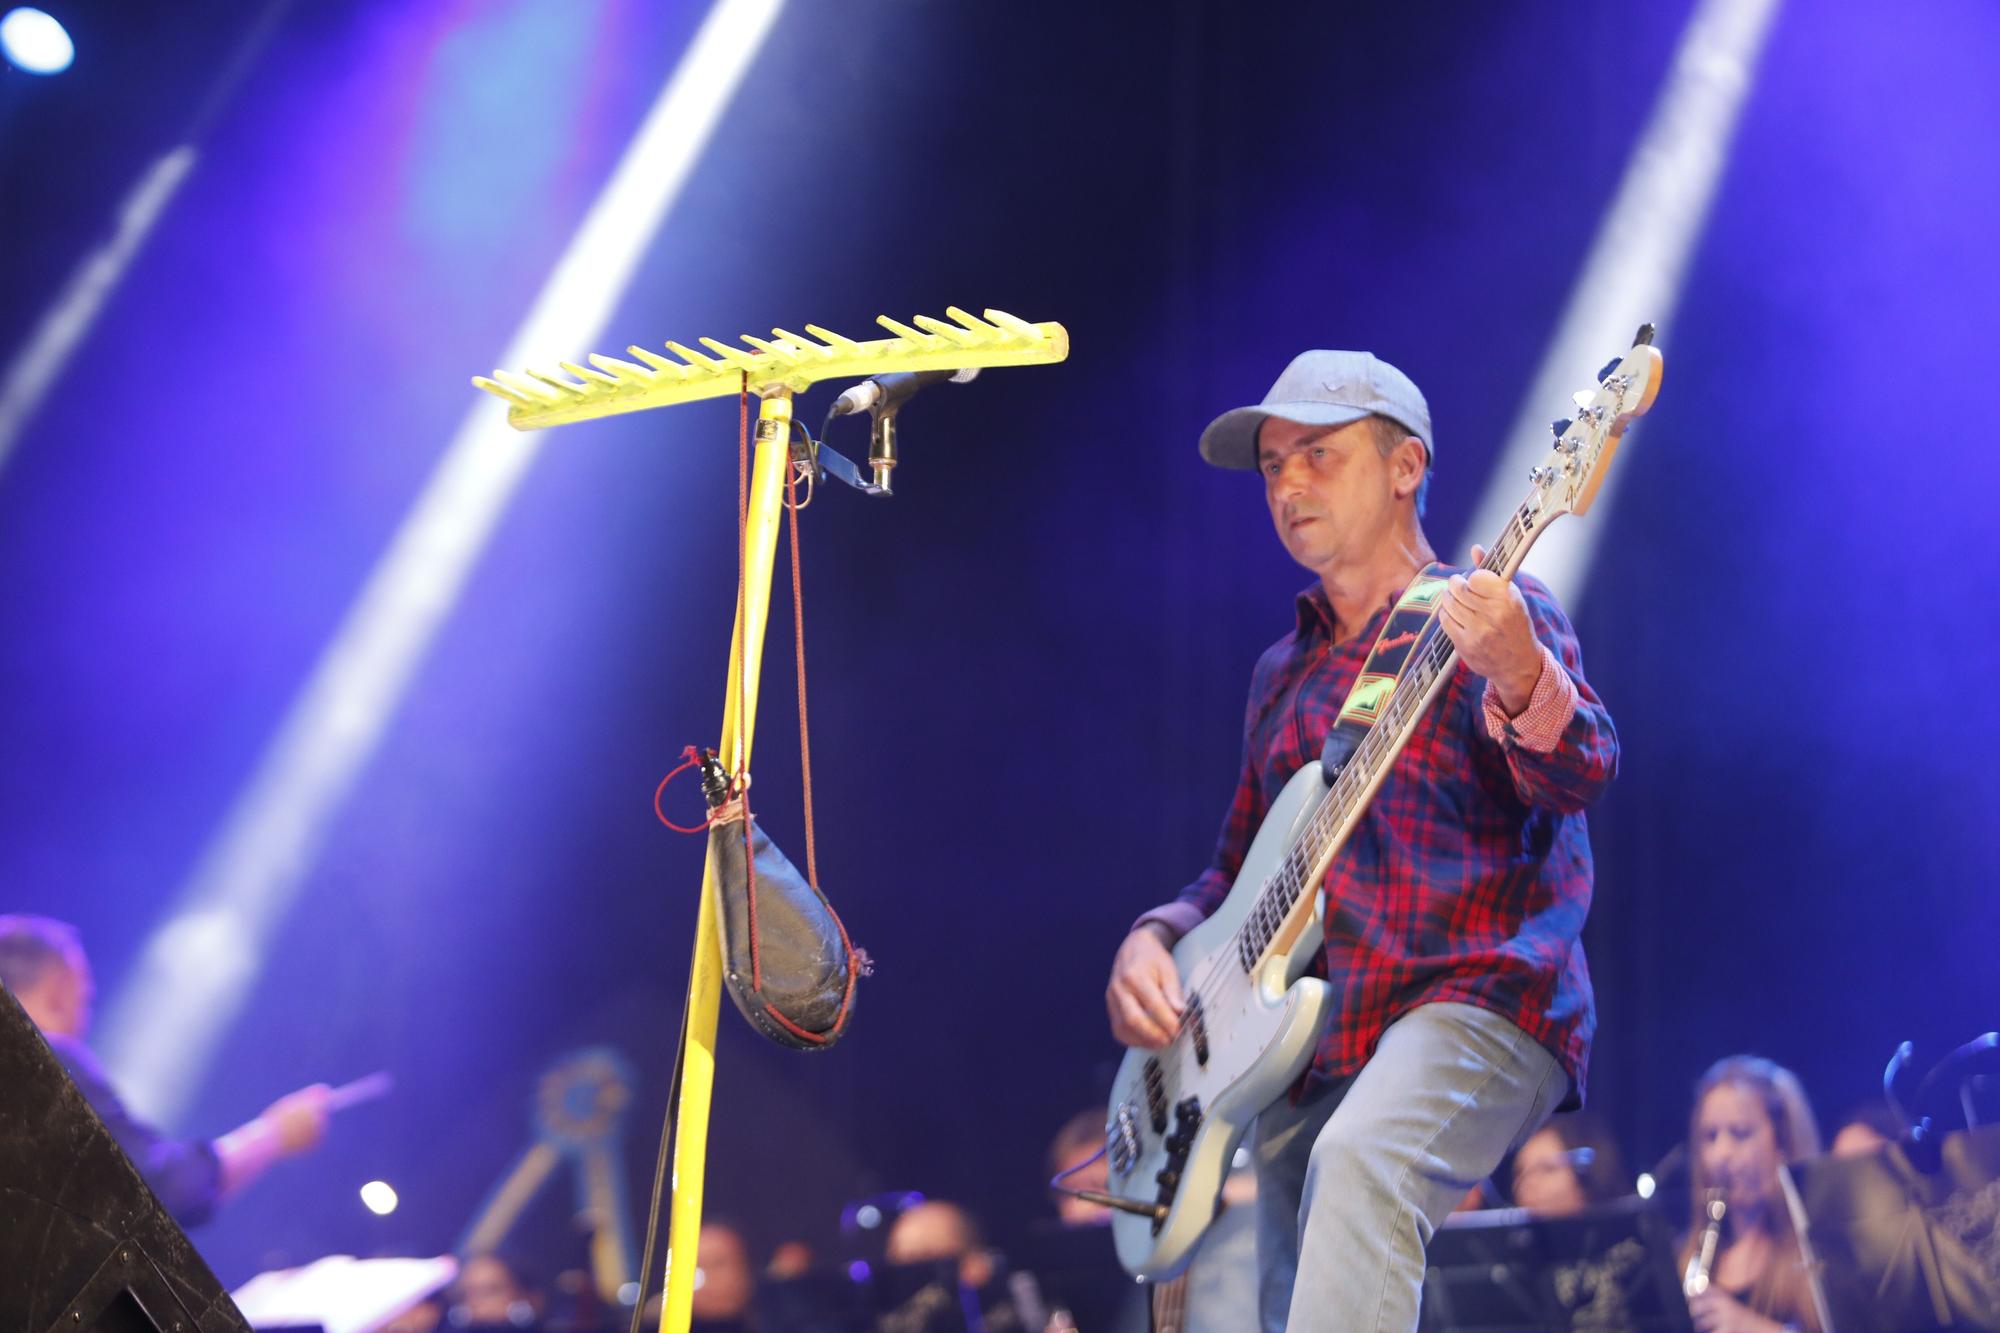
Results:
<point x="1409" y="624"/>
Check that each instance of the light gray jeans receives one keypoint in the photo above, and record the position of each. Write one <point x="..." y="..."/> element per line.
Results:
<point x="1352" y="1181"/>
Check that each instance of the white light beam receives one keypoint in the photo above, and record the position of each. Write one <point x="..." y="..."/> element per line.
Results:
<point x="1635" y="268"/>
<point x="197" y="969"/>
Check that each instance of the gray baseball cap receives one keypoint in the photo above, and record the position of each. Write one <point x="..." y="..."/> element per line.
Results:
<point x="1321" y="388"/>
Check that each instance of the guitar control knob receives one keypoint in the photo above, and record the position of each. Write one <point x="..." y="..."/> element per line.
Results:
<point x="1168" y="1178"/>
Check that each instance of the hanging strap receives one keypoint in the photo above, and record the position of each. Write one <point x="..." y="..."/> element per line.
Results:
<point x="792" y="507"/>
<point x="1410" y="623"/>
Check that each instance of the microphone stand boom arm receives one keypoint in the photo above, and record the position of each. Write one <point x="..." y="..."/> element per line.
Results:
<point x="776" y="370"/>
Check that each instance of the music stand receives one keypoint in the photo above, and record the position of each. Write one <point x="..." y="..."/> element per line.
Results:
<point x="1505" y="1271"/>
<point x="1895" y="1248"/>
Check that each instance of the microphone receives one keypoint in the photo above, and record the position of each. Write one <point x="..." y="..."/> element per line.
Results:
<point x="885" y="393"/>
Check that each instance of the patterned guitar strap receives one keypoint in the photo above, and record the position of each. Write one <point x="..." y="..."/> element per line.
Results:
<point x="1408" y="627"/>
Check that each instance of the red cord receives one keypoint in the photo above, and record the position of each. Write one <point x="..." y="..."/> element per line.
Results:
<point x="693" y="757"/>
<point x="805" y="767"/>
<point x="799" y="639"/>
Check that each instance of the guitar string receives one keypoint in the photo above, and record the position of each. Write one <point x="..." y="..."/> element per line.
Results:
<point x="1288" y="878"/>
<point x="1281" y="890"/>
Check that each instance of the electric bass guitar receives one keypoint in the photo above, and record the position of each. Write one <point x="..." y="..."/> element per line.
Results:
<point x="1253" y="1017"/>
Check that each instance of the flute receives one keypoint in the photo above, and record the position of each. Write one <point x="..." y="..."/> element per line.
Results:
<point x="1695" y="1281"/>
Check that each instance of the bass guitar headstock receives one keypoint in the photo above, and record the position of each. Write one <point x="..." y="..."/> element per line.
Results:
<point x="1566" y="481"/>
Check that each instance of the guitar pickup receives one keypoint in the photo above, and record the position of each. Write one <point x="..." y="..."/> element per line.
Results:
<point x="1156" y="1095"/>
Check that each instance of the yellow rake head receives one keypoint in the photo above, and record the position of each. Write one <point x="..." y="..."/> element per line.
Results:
<point x="783" y="363"/>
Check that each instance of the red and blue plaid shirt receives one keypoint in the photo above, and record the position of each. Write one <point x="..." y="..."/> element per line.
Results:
<point x="1468" y="876"/>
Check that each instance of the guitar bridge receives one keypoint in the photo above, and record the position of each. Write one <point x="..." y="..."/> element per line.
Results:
<point x="1121" y="1139"/>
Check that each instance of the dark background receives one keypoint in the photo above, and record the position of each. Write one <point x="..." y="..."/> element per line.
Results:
<point x="1027" y="669"/>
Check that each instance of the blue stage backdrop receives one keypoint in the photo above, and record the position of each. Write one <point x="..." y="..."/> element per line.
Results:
<point x="1027" y="669"/>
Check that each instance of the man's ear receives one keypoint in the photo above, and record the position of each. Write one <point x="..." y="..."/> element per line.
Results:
<point x="1407" y="464"/>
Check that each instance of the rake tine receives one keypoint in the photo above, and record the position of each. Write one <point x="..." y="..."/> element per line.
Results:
<point x="904" y="331"/>
<point x="949" y="332"/>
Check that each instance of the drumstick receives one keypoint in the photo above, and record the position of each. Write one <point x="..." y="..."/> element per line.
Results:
<point x="364" y="1089"/>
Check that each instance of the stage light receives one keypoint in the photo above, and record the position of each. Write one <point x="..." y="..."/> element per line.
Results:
<point x="379" y="1197"/>
<point x="868" y="1217"/>
<point x="34" y="41"/>
<point x="48" y="349"/>
<point x="162" y="1031"/>
<point x="1646" y="1185"/>
<point x="628" y="1293"/>
<point x="1634" y="271"/>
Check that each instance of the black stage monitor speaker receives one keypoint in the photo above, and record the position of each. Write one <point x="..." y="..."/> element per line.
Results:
<point x="84" y="1245"/>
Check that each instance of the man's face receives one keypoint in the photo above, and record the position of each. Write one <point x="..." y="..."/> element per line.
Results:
<point x="1331" y="492"/>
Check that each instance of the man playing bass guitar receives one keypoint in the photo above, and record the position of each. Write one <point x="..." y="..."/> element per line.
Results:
<point x="1461" y="1006"/>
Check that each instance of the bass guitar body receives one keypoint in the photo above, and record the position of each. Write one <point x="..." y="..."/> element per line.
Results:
<point x="1250" y="1028"/>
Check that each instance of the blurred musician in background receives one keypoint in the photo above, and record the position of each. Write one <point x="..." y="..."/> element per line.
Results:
<point x="1867" y="1128"/>
<point x="494" y="1291"/>
<point x="724" y="1282"/>
<point x="1749" y="1116"/>
<point x="1567" y="1166"/>
<point x="935" y="1232"/>
<point x="792" y="1259"/>
<point x="1076" y="1158"/>
<point x="42" y="962"/>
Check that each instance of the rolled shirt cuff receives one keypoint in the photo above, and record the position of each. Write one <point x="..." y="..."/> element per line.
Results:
<point x="1540" y="726"/>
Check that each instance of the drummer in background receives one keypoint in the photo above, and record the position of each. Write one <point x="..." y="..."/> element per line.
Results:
<point x="1750" y="1115"/>
<point x="1568" y="1165"/>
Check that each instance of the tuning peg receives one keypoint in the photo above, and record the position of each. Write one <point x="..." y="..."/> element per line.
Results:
<point x="1558" y="426"/>
<point x="1609" y="366"/>
<point x="1580" y="398"/>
